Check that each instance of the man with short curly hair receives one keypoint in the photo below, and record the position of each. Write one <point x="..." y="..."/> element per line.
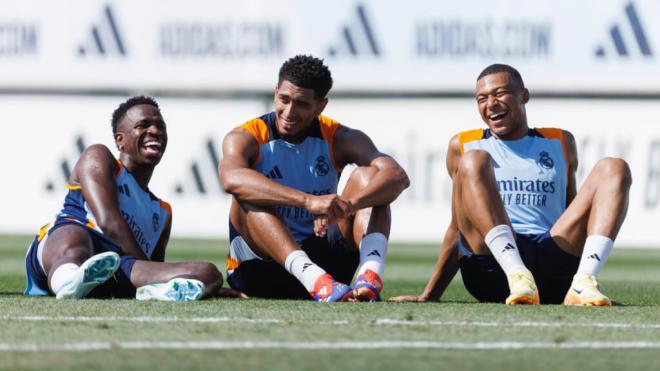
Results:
<point x="110" y="236"/>
<point x="291" y="234"/>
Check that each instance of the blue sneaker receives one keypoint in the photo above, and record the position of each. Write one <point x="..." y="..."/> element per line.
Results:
<point x="367" y="286"/>
<point x="93" y="272"/>
<point x="327" y="290"/>
<point x="176" y="289"/>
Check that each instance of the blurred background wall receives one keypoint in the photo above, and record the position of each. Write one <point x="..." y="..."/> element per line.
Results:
<point x="404" y="73"/>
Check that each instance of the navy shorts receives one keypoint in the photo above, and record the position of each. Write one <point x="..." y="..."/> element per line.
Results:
<point x="268" y="279"/>
<point x="553" y="271"/>
<point x="118" y="286"/>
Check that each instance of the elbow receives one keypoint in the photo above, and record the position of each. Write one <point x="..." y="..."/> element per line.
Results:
<point x="401" y="178"/>
<point x="229" y="181"/>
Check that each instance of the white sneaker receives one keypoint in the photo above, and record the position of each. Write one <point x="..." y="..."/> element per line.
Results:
<point x="176" y="289"/>
<point x="584" y="291"/>
<point x="93" y="272"/>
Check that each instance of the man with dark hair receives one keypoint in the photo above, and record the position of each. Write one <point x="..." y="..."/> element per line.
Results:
<point x="291" y="234"/>
<point x="520" y="232"/>
<point x="111" y="234"/>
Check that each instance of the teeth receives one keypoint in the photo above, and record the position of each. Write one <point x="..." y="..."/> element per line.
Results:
<point x="497" y="115"/>
<point x="152" y="144"/>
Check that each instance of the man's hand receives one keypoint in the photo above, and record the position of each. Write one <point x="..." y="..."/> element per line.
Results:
<point x="409" y="299"/>
<point x="328" y="209"/>
<point x="231" y="293"/>
<point x="332" y="206"/>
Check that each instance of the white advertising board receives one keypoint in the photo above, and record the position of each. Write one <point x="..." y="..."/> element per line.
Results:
<point x="383" y="46"/>
<point x="43" y="136"/>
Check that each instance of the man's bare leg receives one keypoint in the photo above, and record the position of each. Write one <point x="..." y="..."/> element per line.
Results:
<point x="268" y="237"/>
<point x="369" y="230"/>
<point x="590" y="224"/>
<point x="175" y="281"/>
<point x="72" y="270"/>
<point x="485" y="226"/>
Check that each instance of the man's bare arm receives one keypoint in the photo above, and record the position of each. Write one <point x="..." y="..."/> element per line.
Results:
<point x="240" y="150"/>
<point x="571" y="148"/>
<point x="159" y="251"/>
<point x="353" y="146"/>
<point x="95" y="172"/>
<point x="447" y="264"/>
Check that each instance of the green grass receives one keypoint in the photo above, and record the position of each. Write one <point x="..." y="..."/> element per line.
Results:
<point x="630" y="276"/>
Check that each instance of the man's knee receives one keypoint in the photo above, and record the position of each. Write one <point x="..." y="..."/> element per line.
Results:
<point x="206" y="272"/>
<point x="362" y="176"/>
<point x="615" y="170"/>
<point x="474" y="164"/>
<point x="258" y="213"/>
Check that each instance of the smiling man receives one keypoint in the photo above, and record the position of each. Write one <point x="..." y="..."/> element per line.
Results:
<point x="111" y="234"/>
<point x="291" y="234"/>
<point x="520" y="232"/>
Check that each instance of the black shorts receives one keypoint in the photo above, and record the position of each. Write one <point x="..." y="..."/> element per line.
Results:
<point x="117" y="286"/>
<point x="553" y="271"/>
<point x="268" y="279"/>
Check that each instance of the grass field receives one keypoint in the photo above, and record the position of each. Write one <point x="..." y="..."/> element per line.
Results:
<point x="42" y="333"/>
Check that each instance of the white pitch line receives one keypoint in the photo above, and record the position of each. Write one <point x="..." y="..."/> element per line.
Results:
<point x="516" y="324"/>
<point x="346" y="345"/>
<point x="377" y="322"/>
<point x="139" y="319"/>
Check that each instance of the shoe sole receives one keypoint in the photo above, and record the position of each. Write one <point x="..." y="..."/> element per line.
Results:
<point x="96" y="270"/>
<point x="523" y="300"/>
<point x="574" y="300"/>
<point x="345" y="297"/>
<point x="365" y="292"/>
<point x="178" y="289"/>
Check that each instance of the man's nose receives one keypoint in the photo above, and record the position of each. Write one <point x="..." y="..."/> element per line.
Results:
<point x="154" y="129"/>
<point x="491" y="100"/>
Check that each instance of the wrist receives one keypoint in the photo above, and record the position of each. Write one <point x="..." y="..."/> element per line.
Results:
<point x="306" y="200"/>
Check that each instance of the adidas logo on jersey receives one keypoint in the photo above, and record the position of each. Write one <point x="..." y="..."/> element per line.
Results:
<point x="375" y="252"/>
<point x="274" y="173"/>
<point x="123" y="189"/>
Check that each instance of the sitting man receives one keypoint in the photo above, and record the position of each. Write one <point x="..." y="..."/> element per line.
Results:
<point x="291" y="235"/>
<point x="110" y="236"/>
<point x="520" y="231"/>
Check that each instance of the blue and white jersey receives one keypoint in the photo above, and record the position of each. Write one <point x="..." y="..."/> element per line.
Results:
<point x="308" y="166"/>
<point x="145" y="214"/>
<point x="531" y="175"/>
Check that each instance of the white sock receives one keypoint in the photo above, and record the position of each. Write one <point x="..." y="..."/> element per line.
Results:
<point x="373" y="250"/>
<point x="502" y="244"/>
<point x="595" y="253"/>
<point x="62" y="275"/>
<point x="304" y="269"/>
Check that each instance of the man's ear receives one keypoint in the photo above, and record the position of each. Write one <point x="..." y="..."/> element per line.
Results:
<point x="525" y="95"/>
<point x="324" y="102"/>
<point x="119" y="139"/>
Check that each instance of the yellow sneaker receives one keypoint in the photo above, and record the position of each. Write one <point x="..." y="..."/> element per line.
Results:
<point x="584" y="291"/>
<point x="523" y="289"/>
